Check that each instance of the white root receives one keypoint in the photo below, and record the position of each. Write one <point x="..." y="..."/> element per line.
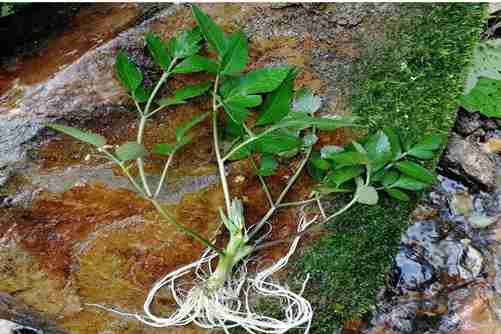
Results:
<point x="229" y="305"/>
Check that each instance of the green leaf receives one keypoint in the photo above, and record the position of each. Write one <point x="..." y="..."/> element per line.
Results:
<point x="379" y="150"/>
<point x="243" y="101"/>
<point x="342" y="175"/>
<point x="305" y="101"/>
<point x="317" y="167"/>
<point x="318" y="162"/>
<point x="184" y="93"/>
<point x="486" y="62"/>
<point x="268" y="166"/>
<point x="186" y="44"/>
<point x="329" y="150"/>
<point x="276" y="142"/>
<point x="431" y="142"/>
<point x="164" y="149"/>
<point x="127" y="72"/>
<point x="394" y="138"/>
<point x="485" y="98"/>
<point x="277" y="104"/>
<point x="131" y="151"/>
<point x="141" y="94"/>
<point x="184" y="128"/>
<point x="301" y="121"/>
<point x="367" y="195"/>
<point x="408" y="183"/>
<point x="398" y="194"/>
<point x="389" y="178"/>
<point x="87" y="137"/>
<point x="196" y="63"/>
<point x="349" y="158"/>
<point x="420" y="153"/>
<point x="326" y="190"/>
<point x="158" y="51"/>
<point x="211" y="31"/>
<point x="236" y="113"/>
<point x="416" y="171"/>
<point x="258" y="81"/>
<point x="237" y="55"/>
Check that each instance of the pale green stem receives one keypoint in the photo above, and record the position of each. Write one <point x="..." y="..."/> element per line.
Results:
<point x="306" y="201"/>
<point x="349" y="205"/>
<point x="184" y="229"/>
<point x="320" y="206"/>
<point x="164" y="175"/>
<point x="263" y="183"/>
<point x="271" y="211"/>
<point x="220" y="162"/>
<point x="247" y="142"/>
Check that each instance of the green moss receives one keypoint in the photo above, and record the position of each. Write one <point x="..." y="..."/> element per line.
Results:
<point x="411" y="81"/>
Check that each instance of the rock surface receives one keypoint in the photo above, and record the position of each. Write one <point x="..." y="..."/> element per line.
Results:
<point x="466" y="160"/>
<point x="71" y="231"/>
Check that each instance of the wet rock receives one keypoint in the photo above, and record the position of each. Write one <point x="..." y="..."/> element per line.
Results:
<point x="411" y="271"/>
<point x="467" y="123"/>
<point x="461" y="203"/>
<point x="493" y="145"/>
<point x="17" y="318"/>
<point x="468" y="162"/>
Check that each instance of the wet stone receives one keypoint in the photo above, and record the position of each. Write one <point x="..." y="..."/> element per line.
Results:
<point x="411" y="271"/>
<point x="468" y="162"/>
<point x="467" y="122"/>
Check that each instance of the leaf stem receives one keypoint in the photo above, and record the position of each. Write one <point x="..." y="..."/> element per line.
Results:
<point x="282" y="195"/>
<point x="185" y="229"/>
<point x="220" y="161"/>
<point x="263" y="183"/>
<point x="248" y="141"/>
<point x="164" y="175"/>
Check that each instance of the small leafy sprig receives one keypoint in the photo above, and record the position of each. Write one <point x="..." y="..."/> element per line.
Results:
<point x="384" y="161"/>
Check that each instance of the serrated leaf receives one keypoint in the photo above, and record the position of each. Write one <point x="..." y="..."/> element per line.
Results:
<point x="277" y="104"/>
<point x="141" y="94"/>
<point x="236" y="56"/>
<point x="389" y="178"/>
<point x="416" y="171"/>
<point x="243" y="101"/>
<point x="317" y="167"/>
<point x="408" y="183"/>
<point x="301" y="121"/>
<point x="236" y="113"/>
<point x="349" y="158"/>
<point x="398" y="194"/>
<point x="186" y="44"/>
<point x="158" y="51"/>
<point x="306" y="101"/>
<point x="184" y="93"/>
<point x="258" y="81"/>
<point x="184" y="128"/>
<point x="196" y="63"/>
<point x="164" y="149"/>
<point x="276" y="142"/>
<point x="317" y="161"/>
<point x="130" y="151"/>
<point x="210" y="30"/>
<point x="127" y="72"/>
<point x="485" y="98"/>
<point x="87" y="137"/>
<point x="268" y="166"/>
<point x="420" y="153"/>
<point x="342" y="175"/>
<point x="486" y="62"/>
<point x="367" y="195"/>
<point x="394" y="138"/>
<point x="379" y="149"/>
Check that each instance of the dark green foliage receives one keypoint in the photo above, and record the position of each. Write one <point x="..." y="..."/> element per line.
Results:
<point x="410" y="83"/>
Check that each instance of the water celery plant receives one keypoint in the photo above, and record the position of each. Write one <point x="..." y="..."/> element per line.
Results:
<point x="265" y="119"/>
